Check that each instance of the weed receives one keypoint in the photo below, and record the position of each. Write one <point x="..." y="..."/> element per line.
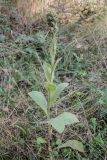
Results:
<point x="53" y="93"/>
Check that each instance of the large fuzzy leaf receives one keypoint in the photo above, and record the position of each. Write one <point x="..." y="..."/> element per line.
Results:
<point x="62" y="120"/>
<point x="40" y="99"/>
<point x="58" y="91"/>
<point x="50" y="87"/>
<point x="74" y="144"/>
<point x="40" y="141"/>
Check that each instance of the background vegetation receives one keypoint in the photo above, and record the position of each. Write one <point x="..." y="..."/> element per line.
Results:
<point x="82" y="45"/>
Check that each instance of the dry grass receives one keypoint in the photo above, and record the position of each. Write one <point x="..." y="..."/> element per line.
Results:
<point x="68" y="11"/>
<point x="33" y="8"/>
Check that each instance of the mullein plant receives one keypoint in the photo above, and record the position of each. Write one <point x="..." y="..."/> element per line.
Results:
<point x="53" y="93"/>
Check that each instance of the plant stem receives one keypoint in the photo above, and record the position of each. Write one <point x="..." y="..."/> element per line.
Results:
<point x="49" y="128"/>
<point x="49" y="142"/>
<point x="53" y="54"/>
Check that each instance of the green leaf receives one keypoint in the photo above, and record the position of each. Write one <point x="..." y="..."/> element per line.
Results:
<point x="104" y="97"/>
<point x="40" y="99"/>
<point x="40" y="141"/>
<point x="58" y="91"/>
<point x="21" y="129"/>
<point x="53" y="69"/>
<point x="50" y="86"/>
<point x="57" y="61"/>
<point x="93" y="122"/>
<point x="2" y="38"/>
<point x="40" y="37"/>
<point x="30" y="50"/>
<point x="74" y="144"/>
<point x="98" y="140"/>
<point x="58" y="142"/>
<point x="47" y="71"/>
<point x="62" y="120"/>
